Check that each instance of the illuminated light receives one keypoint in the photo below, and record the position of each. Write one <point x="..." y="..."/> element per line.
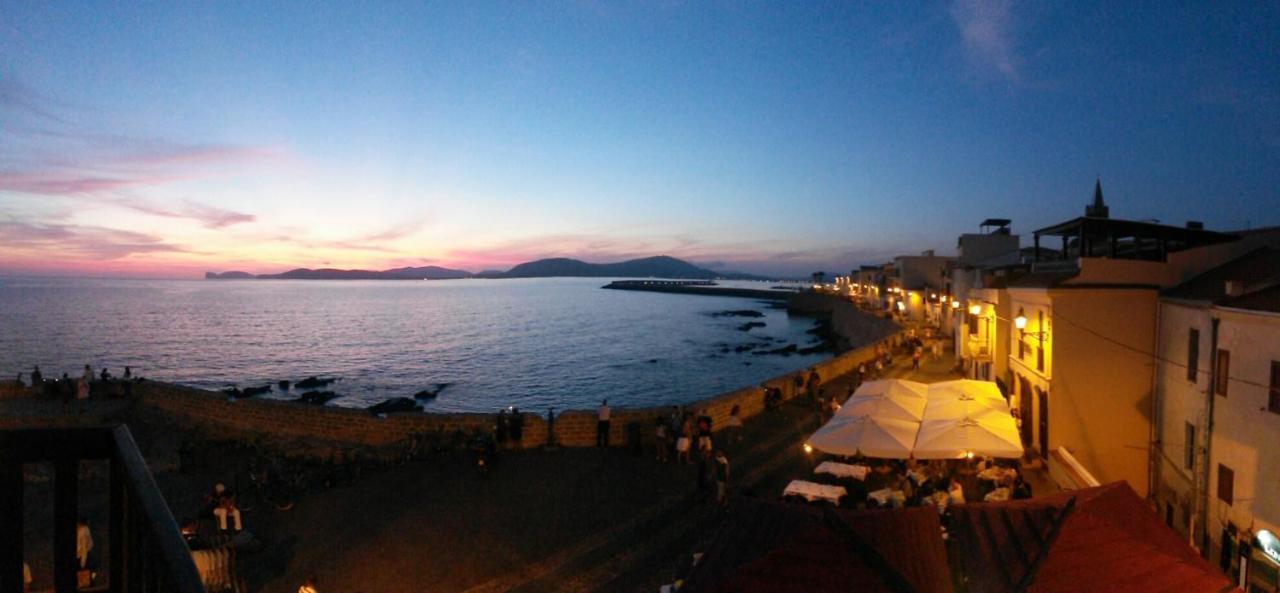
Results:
<point x="955" y="304"/>
<point x="975" y="309"/>
<point x="902" y="306"/>
<point x="808" y="448"/>
<point x="1020" y="321"/>
<point x="968" y="454"/>
<point x="934" y="296"/>
<point x="1269" y="544"/>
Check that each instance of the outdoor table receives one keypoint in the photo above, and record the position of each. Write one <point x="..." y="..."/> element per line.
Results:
<point x="884" y="496"/>
<point x="996" y="495"/>
<point x="811" y="491"/>
<point x="842" y="470"/>
<point x="995" y="474"/>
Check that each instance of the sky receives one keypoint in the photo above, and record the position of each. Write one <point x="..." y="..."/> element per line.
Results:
<point x="165" y="139"/>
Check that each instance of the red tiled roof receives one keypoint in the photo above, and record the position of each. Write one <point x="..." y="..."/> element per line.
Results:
<point x="1093" y="540"/>
<point x="783" y="548"/>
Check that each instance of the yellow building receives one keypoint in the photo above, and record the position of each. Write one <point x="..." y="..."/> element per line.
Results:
<point x="1083" y="338"/>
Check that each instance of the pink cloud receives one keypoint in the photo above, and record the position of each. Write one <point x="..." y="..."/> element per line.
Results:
<point x="51" y="183"/>
<point x="54" y="242"/>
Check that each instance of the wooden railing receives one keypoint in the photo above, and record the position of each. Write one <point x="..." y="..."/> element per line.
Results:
<point x="146" y="549"/>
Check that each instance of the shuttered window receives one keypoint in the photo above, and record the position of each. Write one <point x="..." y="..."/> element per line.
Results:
<point x="1226" y="484"/>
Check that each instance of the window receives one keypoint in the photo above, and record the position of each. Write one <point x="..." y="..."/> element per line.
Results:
<point x="1226" y="483"/>
<point x="1223" y="374"/>
<point x="973" y="324"/>
<point x="1189" y="455"/>
<point x="1273" y="401"/>
<point x="1193" y="355"/>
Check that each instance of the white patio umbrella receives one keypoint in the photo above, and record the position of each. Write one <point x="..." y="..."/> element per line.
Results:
<point x="898" y="387"/>
<point x="963" y="407"/>
<point x="894" y="407"/>
<point x="965" y="387"/>
<point x="992" y="435"/>
<point x="866" y="435"/>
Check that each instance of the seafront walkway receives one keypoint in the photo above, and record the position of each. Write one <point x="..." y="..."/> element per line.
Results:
<point x="573" y="519"/>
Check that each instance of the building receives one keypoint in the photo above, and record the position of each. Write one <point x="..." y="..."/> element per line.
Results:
<point x="1217" y="391"/>
<point x="1083" y="334"/>
<point x="918" y="284"/>
<point x="870" y="287"/>
<point x="978" y="307"/>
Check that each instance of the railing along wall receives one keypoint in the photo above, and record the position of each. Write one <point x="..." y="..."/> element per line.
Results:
<point x="146" y="551"/>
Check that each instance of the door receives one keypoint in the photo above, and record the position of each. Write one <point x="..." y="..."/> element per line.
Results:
<point x="1024" y="409"/>
<point x="1043" y="396"/>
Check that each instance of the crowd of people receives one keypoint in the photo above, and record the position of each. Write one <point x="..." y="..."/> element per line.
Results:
<point x="81" y="387"/>
<point x="686" y="436"/>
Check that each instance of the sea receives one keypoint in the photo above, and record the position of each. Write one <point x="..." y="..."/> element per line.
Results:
<point x="561" y="343"/>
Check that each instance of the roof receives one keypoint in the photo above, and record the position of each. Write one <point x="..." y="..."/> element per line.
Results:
<point x="783" y="548"/>
<point x="1095" y="539"/>
<point x="1137" y="229"/>
<point x="1048" y="279"/>
<point x="1267" y="299"/>
<point x="1258" y="271"/>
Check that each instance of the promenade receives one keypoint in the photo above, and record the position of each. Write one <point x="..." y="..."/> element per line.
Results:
<point x="572" y="519"/>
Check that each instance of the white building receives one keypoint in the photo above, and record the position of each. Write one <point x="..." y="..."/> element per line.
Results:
<point x="1217" y="389"/>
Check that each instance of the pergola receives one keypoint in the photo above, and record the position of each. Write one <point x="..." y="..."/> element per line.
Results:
<point x="1091" y="236"/>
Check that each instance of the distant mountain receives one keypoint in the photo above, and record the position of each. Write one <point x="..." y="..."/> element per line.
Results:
<point x="428" y="273"/>
<point x="228" y="276"/>
<point x="423" y="273"/>
<point x="661" y="266"/>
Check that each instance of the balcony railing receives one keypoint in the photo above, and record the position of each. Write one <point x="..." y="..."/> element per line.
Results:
<point x="146" y="549"/>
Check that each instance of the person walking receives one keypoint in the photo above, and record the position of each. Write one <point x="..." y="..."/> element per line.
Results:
<point x="84" y="543"/>
<point x="722" y="478"/>
<point x="602" y="424"/>
<point x="704" y="434"/>
<point x="685" y="442"/>
<point x="37" y="379"/>
<point x="733" y="425"/>
<point x="915" y="358"/>
<point x="82" y="385"/>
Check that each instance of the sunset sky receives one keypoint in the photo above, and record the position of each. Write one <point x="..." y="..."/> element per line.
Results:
<point x="169" y="138"/>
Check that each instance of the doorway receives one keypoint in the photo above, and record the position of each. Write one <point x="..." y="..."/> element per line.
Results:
<point x="1043" y="397"/>
<point x="1024" y="408"/>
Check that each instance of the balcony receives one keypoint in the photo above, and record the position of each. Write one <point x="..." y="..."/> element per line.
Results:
<point x="146" y="549"/>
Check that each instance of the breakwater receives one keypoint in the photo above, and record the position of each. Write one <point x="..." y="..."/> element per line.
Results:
<point x="699" y="287"/>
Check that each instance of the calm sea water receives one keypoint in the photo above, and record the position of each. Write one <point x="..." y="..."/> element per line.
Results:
<point x="532" y="343"/>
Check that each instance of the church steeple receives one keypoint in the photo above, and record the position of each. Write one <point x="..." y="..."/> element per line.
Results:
<point x="1099" y="208"/>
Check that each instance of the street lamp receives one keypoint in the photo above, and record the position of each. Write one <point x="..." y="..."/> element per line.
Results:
<point x="975" y="309"/>
<point x="1020" y="321"/>
<point x="955" y="304"/>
